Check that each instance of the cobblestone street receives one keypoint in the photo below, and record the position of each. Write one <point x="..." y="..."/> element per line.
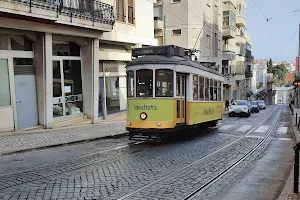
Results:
<point x="242" y="158"/>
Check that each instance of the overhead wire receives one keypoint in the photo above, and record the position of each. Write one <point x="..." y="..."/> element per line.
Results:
<point x="267" y="20"/>
<point x="287" y="43"/>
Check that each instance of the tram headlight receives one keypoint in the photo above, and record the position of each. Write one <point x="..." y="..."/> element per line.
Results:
<point x="158" y="124"/>
<point x="143" y="116"/>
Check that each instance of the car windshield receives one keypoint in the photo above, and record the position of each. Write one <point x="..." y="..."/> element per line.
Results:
<point x="253" y="103"/>
<point x="240" y="103"/>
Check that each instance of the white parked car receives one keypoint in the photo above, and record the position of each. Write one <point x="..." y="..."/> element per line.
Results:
<point x="240" y="108"/>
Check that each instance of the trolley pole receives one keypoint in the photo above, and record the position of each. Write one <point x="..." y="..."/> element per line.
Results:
<point x="165" y="38"/>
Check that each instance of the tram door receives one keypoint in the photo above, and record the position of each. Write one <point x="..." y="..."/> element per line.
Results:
<point x="180" y="98"/>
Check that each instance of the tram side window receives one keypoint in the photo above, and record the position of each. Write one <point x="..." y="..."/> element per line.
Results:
<point x="130" y="84"/>
<point x="164" y="83"/>
<point x="201" y="88"/>
<point x="206" y="89"/>
<point x="215" y="90"/>
<point x="195" y="87"/>
<point x="144" y="79"/>
<point x="211" y="89"/>
<point x="219" y="91"/>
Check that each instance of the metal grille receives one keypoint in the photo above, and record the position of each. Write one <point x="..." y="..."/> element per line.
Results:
<point x="114" y="66"/>
<point x="24" y="70"/>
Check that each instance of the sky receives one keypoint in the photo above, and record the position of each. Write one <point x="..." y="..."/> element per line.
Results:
<point x="283" y="26"/>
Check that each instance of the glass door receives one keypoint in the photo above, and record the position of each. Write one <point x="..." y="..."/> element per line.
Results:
<point x="67" y="88"/>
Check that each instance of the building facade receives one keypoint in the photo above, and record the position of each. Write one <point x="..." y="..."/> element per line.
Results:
<point x="59" y="61"/>
<point x="237" y="56"/>
<point x="133" y="28"/>
<point x="283" y="95"/>
<point x="191" y="24"/>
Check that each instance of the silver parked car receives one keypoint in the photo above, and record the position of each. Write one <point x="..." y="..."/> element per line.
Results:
<point x="240" y="108"/>
<point x="261" y="104"/>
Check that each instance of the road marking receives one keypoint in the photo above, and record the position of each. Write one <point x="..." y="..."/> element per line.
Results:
<point x="253" y="136"/>
<point x="262" y="129"/>
<point x="225" y="127"/>
<point x="244" y="128"/>
<point x="226" y="134"/>
<point x="285" y="139"/>
<point x="282" y="130"/>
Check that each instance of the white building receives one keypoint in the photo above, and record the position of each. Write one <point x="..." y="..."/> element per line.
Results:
<point x="283" y="95"/>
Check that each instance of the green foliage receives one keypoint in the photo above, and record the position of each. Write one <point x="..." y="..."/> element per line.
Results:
<point x="270" y="66"/>
<point x="279" y="73"/>
<point x="259" y="85"/>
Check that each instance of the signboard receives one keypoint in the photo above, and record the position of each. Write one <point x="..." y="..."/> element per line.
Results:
<point x="169" y="50"/>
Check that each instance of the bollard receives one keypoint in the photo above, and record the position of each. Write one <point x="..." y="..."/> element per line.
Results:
<point x="298" y="123"/>
<point x="296" y="169"/>
<point x="296" y="120"/>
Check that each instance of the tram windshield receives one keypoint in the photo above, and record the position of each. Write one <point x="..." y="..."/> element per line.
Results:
<point x="144" y="81"/>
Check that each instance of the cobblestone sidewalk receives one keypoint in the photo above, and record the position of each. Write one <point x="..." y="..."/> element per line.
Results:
<point x="44" y="138"/>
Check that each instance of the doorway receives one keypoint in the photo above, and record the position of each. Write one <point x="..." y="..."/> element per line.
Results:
<point x="180" y="98"/>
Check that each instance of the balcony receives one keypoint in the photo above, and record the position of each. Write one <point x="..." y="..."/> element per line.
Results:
<point x="240" y="21"/>
<point x="91" y="14"/>
<point x="249" y="57"/>
<point x="228" y="54"/>
<point x="158" y="24"/>
<point x="228" y="32"/>
<point x="229" y="6"/>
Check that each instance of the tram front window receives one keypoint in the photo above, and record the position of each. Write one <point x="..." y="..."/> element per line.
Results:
<point x="164" y="83"/>
<point x="144" y="82"/>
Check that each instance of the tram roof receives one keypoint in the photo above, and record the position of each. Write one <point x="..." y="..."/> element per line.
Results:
<point x="157" y="59"/>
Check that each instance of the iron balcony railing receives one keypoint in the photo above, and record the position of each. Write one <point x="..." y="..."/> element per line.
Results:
<point x="92" y="10"/>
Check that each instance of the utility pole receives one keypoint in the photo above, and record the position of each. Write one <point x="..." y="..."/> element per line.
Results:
<point x="298" y="91"/>
<point x="164" y="39"/>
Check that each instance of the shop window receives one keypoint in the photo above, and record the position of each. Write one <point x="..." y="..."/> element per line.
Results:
<point x="4" y="86"/>
<point x="3" y="42"/>
<point x="56" y="79"/>
<point x="144" y="81"/>
<point x="60" y="48"/>
<point x="112" y="94"/>
<point x="20" y="43"/>
<point x="131" y="19"/>
<point x="215" y="90"/>
<point x="201" y="88"/>
<point x="130" y="83"/>
<point x="195" y="87"/>
<point x="206" y="89"/>
<point x="120" y="15"/>
<point x="211" y="89"/>
<point x="164" y="83"/>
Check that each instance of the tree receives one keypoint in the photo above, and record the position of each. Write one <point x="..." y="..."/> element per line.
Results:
<point x="279" y="73"/>
<point x="270" y="66"/>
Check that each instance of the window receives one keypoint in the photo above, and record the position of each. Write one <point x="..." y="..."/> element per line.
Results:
<point x="215" y="90"/>
<point x="4" y="86"/>
<point x="20" y="43"/>
<point x="195" y="87"/>
<point x="206" y="89"/>
<point x="120" y="11"/>
<point x="164" y="83"/>
<point x="211" y="89"/>
<point x="131" y="12"/>
<point x="130" y="83"/>
<point x="3" y="42"/>
<point x="176" y="32"/>
<point x="62" y="48"/>
<point x="175" y="1"/>
<point x="144" y="81"/>
<point x="219" y="91"/>
<point x="229" y="20"/>
<point x="201" y="88"/>
<point x="208" y="41"/>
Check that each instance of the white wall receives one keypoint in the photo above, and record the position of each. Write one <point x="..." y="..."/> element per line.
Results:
<point x="140" y="32"/>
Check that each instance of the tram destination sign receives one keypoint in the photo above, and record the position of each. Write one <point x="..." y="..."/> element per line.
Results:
<point x="169" y="51"/>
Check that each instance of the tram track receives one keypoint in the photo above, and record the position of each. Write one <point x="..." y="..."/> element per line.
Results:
<point x="132" y="195"/>
<point x="230" y="168"/>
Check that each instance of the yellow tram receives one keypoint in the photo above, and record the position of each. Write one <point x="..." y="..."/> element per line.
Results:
<point x="167" y="91"/>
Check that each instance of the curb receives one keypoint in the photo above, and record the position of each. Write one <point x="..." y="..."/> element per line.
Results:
<point x="63" y="144"/>
<point x="287" y="190"/>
